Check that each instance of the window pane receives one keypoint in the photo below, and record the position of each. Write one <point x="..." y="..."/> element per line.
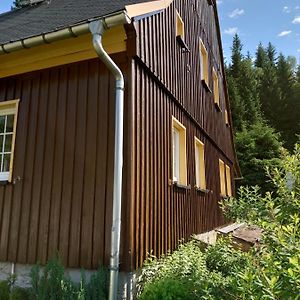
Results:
<point x="10" y="123"/>
<point x="1" y="143"/>
<point x="175" y="154"/>
<point x="2" y="123"/>
<point x="197" y="158"/>
<point x="6" y="163"/>
<point x="8" y="142"/>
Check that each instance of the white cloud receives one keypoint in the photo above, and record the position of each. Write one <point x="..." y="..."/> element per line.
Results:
<point x="236" y="13"/>
<point x="231" y="30"/>
<point x="296" y="20"/>
<point x="298" y="50"/>
<point x="219" y="2"/>
<point x="286" y="9"/>
<point x="284" y="33"/>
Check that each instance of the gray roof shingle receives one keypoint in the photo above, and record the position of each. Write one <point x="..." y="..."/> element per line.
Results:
<point x="53" y="15"/>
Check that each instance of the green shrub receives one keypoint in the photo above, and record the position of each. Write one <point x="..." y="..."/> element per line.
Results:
<point x="223" y="258"/>
<point x="51" y="283"/>
<point x="4" y="290"/>
<point x="18" y="293"/>
<point x="224" y="273"/>
<point x="274" y="272"/>
<point x="169" y="288"/>
<point x="97" y="287"/>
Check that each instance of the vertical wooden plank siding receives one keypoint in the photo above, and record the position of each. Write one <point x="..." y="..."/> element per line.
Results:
<point x="62" y="196"/>
<point x="167" y="83"/>
<point x="63" y="159"/>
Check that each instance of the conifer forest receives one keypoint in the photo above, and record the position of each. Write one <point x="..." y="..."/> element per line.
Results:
<point x="264" y="92"/>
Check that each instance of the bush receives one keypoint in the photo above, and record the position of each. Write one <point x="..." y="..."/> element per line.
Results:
<point x="18" y="293"/>
<point x="4" y="290"/>
<point x="275" y="269"/>
<point x="222" y="272"/>
<point x="192" y="274"/>
<point x="169" y="288"/>
<point x="53" y="284"/>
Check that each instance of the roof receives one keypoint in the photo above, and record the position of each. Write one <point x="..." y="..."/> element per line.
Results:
<point x="53" y="15"/>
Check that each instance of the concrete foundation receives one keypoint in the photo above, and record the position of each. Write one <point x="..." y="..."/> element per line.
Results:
<point x="127" y="281"/>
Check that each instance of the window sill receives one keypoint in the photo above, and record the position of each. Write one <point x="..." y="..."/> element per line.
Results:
<point x="203" y="191"/>
<point x="217" y="106"/>
<point x="182" y="44"/>
<point x="205" y="84"/>
<point x="182" y="186"/>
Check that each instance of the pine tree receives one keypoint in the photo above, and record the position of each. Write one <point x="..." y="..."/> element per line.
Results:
<point x="236" y="57"/>
<point x="298" y="74"/>
<point x="256" y="141"/>
<point x="269" y="93"/>
<point x="271" y="53"/>
<point x="17" y="4"/>
<point x="261" y="56"/>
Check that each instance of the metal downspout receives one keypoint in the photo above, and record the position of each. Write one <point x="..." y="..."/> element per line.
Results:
<point x="97" y="29"/>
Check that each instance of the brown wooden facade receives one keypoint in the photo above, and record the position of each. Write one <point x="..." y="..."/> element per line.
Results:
<point x="61" y="197"/>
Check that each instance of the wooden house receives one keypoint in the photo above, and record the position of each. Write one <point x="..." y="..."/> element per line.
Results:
<point x="57" y="129"/>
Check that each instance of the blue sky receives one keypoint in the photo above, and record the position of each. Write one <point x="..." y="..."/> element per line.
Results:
<point x="277" y="21"/>
<point x="5" y="5"/>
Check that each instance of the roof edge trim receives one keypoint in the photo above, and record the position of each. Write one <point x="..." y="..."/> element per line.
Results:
<point x="135" y="10"/>
<point x="110" y="21"/>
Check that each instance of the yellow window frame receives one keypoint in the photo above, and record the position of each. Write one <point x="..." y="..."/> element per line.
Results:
<point x="216" y="88"/>
<point x="222" y="178"/>
<point x="204" y="62"/>
<point x="179" y="26"/>
<point x="199" y="164"/>
<point x="226" y="117"/>
<point x="180" y="178"/>
<point x="228" y="181"/>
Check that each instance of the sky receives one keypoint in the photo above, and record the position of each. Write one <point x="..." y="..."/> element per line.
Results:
<point x="275" y="21"/>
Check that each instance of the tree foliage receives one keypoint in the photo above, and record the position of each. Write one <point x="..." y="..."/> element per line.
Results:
<point x="275" y="271"/>
<point x="265" y="102"/>
<point x="17" y="4"/>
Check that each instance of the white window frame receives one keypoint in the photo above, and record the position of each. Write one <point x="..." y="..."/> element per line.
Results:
<point x="8" y="108"/>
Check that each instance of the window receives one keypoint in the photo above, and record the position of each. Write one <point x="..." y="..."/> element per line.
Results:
<point x="226" y="117"/>
<point x="216" y="88"/>
<point x="204" y="62"/>
<point x="228" y="181"/>
<point x="8" y="125"/>
<point x="200" y="165"/>
<point x="179" y="27"/>
<point x="222" y="177"/>
<point x="225" y="179"/>
<point x="179" y="152"/>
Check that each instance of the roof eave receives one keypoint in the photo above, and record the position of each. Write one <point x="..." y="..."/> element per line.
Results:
<point x="111" y="20"/>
